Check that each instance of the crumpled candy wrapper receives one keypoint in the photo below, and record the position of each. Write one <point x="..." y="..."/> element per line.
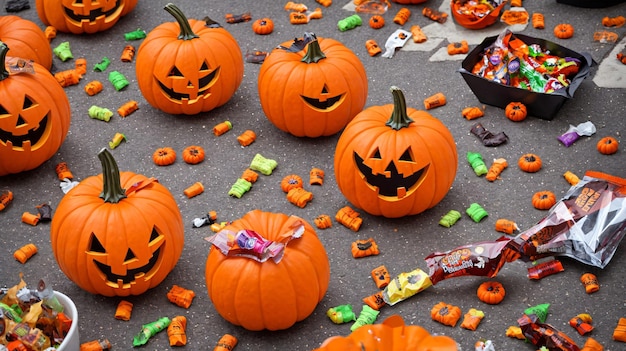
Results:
<point x="395" y="41"/>
<point x="575" y="132"/>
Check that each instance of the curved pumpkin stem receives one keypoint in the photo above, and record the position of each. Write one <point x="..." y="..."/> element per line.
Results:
<point x="399" y="118"/>
<point x="314" y="53"/>
<point x="186" y="33"/>
<point x="4" y="74"/>
<point x="111" y="187"/>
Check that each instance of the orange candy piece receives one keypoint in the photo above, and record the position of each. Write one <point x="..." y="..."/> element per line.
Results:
<point x="180" y="296"/>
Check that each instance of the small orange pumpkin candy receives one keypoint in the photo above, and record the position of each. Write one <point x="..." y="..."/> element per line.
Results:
<point x="608" y="145"/>
<point x="515" y="111"/>
<point x="491" y="292"/>
<point x="530" y="163"/>
<point x="164" y="156"/>
<point x="263" y="26"/>
<point x="291" y="181"/>
<point x="564" y="31"/>
<point x="446" y="314"/>
<point x="377" y="21"/>
<point x="193" y="154"/>
<point x="544" y="200"/>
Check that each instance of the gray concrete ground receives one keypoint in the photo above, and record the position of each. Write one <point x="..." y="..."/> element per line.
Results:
<point x="404" y="243"/>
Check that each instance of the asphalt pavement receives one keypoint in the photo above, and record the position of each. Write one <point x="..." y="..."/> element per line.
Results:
<point x="420" y="70"/>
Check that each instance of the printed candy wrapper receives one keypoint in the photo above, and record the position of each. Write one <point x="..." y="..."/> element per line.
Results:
<point x="587" y="224"/>
<point x="541" y="334"/>
<point x="248" y="243"/>
<point x="396" y="40"/>
<point x="575" y="132"/>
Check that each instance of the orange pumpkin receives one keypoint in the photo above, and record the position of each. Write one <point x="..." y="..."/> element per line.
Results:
<point x="491" y="292"/>
<point x="314" y="90"/>
<point x="291" y="181"/>
<point x="530" y="163"/>
<point x="188" y="66"/>
<point x="377" y="21"/>
<point x="85" y="16"/>
<point x="543" y="200"/>
<point x="164" y="156"/>
<point x="129" y="236"/>
<point x="564" y="31"/>
<point x="395" y="161"/>
<point x="193" y="154"/>
<point x="269" y="295"/>
<point x="35" y="116"/>
<point x="607" y="145"/>
<point x="263" y="26"/>
<point x="26" y="40"/>
<point x="391" y="334"/>
<point x="515" y="111"/>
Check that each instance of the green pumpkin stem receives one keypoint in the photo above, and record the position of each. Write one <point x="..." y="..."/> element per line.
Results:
<point x="186" y="33"/>
<point x="4" y="74"/>
<point x="399" y="118"/>
<point x="111" y="187"/>
<point x="314" y="52"/>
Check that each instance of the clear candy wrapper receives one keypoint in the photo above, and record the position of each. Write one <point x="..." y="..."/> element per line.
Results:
<point x="248" y="243"/>
<point x="575" y="132"/>
<point x="396" y="40"/>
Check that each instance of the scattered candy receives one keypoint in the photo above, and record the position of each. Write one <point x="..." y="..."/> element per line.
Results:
<point x="496" y="169"/>
<point x="127" y="108"/>
<point x="372" y="47"/>
<point x="118" y="80"/>
<point x="222" y="128"/>
<point x="209" y="219"/>
<point x="63" y="171"/>
<point x="341" y="314"/>
<point x="135" y="35"/>
<point x="101" y="113"/>
<point x="473" y="112"/>
<point x="246" y="138"/>
<point x="582" y="323"/>
<point x="472" y="319"/>
<point x="476" y="212"/>
<point x="176" y="331"/>
<point x="545" y="334"/>
<point x="68" y="77"/>
<point x="25" y="252"/>
<point x="364" y="248"/>
<point x="316" y="176"/>
<point x="262" y="164"/>
<point x="402" y="16"/>
<point x="44" y="212"/>
<point x="484" y="345"/>
<point x="487" y="137"/>
<point x="446" y="314"/>
<point x="323" y="221"/>
<point x="195" y="189"/>
<point x="405" y="285"/>
<point x="435" y="15"/>
<point x="575" y="132"/>
<point x="458" y="48"/>
<point x="367" y="316"/>
<point x="124" y="310"/>
<point x="506" y="226"/>
<point x="395" y="41"/>
<point x="226" y="343"/>
<point x="116" y="140"/>
<point x="450" y="218"/>
<point x="299" y="197"/>
<point x="102" y="65"/>
<point x="540" y="311"/>
<point x="94" y="87"/>
<point x="349" y="218"/>
<point x="149" y="330"/>
<point x="240" y="187"/>
<point x="30" y="218"/>
<point x="244" y="17"/>
<point x="417" y="34"/>
<point x="571" y="178"/>
<point x="619" y="333"/>
<point x="515" y="332"/>
<point x="475" y="160"/>
<point x="50" y="32"/>
<point x="6" y="197"/>
<point x="128" y="53"/>
<point x="590" y="282"/>
<point x="349" y="22"/>
<point x="380" y="275"/>
<point x="96" y="345"/>
<point x="545" y="269"/>
<point x="256" y="56"/>
<point x="81" y="65"/>
<point x="63" y="51"/>
<point x="180" y="296"/>
<point x="249" y="175"/>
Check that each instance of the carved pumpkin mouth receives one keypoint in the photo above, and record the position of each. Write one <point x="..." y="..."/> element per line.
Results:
<point x="324" y="103"/>
<point x="133" y="275"/>
<point x="92" y="15"/>
<point x="32" y="137"/>
<point x="204" y="84"/>
<point x="392" y="186"/>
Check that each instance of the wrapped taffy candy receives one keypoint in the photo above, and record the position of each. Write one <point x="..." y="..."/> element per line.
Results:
<point x="542" y="334"/>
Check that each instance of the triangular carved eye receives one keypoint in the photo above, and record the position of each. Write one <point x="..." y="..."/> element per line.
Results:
<point x="27" y="102"/>
<point x="407" y="155"/>
<point x="95" y="245"/>
<point x="376" y="154"/>
<point x="3" y="111"/>
<point x="175" y="72"/>
<point x="325" y="89"/>
<point x="154" y="235"/>
<point x="204" y="67"/>
<point x="20" y="121"/>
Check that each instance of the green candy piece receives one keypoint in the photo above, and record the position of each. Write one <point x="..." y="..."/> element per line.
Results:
<point x="63" y="51"/>
<point x="367" y="316"/>
<point x="349" y="22"/>
<point x="541" y="311"/>
<point x="450" y="218"/>
<point x="101" y="113"/>
<point x="476" y="212"/>
<point x="118" y="80"/>
<point x="135" y="35"/>
<point x="341" y="314"/>
<point x="102" y="65"/>
<point x="149" y="330"/>
<point x="240" y="187"/>
<point x="477" y="163"/>
<point x="262" y="164"/>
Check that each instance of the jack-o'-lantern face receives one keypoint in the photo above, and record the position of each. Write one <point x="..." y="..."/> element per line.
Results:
<point x="24" y="124"/>
<point x="135" y="265"/>
<point x="325" y="101"/>
<point x="185" y="85"/>
<point x="94" y="13"/>
<point x="392" y="177"/>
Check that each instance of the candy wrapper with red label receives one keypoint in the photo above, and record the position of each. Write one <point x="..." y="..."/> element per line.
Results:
<point x="251" y="244"/>
<point x="480" y="259"/>
<point x="542" y="334"/>
<point x="587" y="224"/>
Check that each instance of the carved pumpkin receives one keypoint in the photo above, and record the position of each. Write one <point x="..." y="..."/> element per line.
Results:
<point x="83" y="16"/>
<point x="491" y="292"/>
<point x="268" y="295"/>
<point x="314" y="90"/>
<point x="26" y="40"/>
<point x="129" y="236"/>
<point x="391" y="334"/>
<point x="395" y="161"/>
<point x="34" y="116"/>
<point x="188" y="66"/>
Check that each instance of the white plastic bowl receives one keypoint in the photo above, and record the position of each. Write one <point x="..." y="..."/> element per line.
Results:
<point x="72" y="340"/>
